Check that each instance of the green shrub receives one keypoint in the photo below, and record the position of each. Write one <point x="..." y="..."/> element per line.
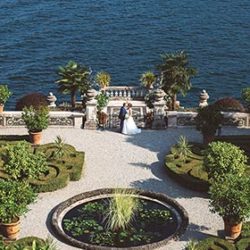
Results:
<point x="102" y="101"/>
<point x="21" y="163"/>
<point x="35" y="100"/>
<point x="36" y="119"/>
<point x="4" y="94"/>
<point x="14" y="199"/>
<point x="222" y="158"/>
<point x="245" y="94"/>
<point x="228" y="104"/>
<point x="230" y="198"/>
<point x="243" y="244"/>
<point x="208" y="120"/>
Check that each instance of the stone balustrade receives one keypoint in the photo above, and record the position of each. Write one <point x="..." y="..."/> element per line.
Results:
<point x="57" y="119"/>
<point x="125" y="92"/>
<point x="180" y="119"/>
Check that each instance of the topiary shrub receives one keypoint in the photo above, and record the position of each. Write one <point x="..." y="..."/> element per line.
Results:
<point x="229" y="104"/>
<point x="33" y="99"/>
<point x="221" y="158"/>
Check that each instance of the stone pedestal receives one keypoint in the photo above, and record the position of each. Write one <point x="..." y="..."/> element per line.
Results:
<point x="91" y="110"/>
<point x="159" y="110"/>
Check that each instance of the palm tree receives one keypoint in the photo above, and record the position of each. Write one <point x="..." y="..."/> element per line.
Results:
<point x="73" y="78"/>
<point x="147" y="79"/>
<point x="103" y="79"/>
<point x="175" y="75"/>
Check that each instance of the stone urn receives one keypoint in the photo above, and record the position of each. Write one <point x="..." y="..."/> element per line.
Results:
<point x="203" y="99"/>
<point x="51" y="99"/>
<point x="159" y="95"/>
<point x="91" y="94"/>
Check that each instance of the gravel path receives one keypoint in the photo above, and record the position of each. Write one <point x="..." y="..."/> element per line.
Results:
<point x="116" y="160"/>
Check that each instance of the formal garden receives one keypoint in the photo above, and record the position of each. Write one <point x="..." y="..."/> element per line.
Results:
<point x="93" y="187"/>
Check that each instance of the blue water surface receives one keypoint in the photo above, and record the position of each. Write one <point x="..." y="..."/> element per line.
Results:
<point x="125" y="38"/>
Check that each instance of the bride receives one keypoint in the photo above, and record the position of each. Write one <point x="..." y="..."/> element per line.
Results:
<point x="129" y="126"/>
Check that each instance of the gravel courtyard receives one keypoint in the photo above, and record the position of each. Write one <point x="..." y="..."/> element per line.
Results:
<point x="116" y="160"/>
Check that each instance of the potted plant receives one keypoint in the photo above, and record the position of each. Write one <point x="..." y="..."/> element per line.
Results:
<point x="36" y="120"/>
<point x="102" y="101"/>
<point x="231" y="200"/>
<point x="4" y="96"/>
<point x="14" y="200"/>
<point x="222" y="158"/>
<point x="103" y="79"/>
<point x="147" y="79"/>
<point x="22" y="163"/>
<point x="208" y="121"/>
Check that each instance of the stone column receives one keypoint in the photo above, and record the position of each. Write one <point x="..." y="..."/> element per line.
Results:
<point x="91" y="119"/>
<point x="159" y="110"/>
<point x="203" y="99"/>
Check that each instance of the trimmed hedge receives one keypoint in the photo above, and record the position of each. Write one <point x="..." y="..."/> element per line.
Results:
<point x="26" y="243"/>
<point x="215" y="243"/>
<point x="68" y="168"/>
<point x="191" y="174"/>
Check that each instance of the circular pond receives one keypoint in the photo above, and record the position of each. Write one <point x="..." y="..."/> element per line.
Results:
<point x="95" y="220"/>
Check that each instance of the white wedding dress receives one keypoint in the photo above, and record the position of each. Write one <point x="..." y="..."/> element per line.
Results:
<point x="129" y="126"/>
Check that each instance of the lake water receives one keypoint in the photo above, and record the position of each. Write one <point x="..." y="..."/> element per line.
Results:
<point x="125" y="38"/>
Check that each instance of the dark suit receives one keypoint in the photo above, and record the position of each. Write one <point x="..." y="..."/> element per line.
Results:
<point x="121" y="116"/>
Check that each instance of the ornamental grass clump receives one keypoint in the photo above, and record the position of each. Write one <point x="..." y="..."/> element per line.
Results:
<point x="182" y="150"/>
<point x="222" y="158"/>
<point x="122" y="208"/>
<point x="21" y="163"/>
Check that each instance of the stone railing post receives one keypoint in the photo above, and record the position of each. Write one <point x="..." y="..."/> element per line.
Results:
<point x="159" y="110"/>
<point x="91" y="119"/>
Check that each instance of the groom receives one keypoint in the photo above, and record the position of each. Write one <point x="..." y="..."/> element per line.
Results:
<point x="122" y="114"/>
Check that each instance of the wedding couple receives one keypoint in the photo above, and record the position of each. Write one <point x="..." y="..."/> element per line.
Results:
<point x="127" y="124"/>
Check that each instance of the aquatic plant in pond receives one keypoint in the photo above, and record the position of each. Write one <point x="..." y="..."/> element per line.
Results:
<point x="96" y="222"/>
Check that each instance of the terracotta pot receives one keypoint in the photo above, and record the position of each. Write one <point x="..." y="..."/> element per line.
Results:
<point x="35" y="137"/>
<point x="1" y="108"/>
<point x="10" y="230"/>
<point x="207" y="139"/>
<point x="103" y="118"/>
<point x="232" y="228"/>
